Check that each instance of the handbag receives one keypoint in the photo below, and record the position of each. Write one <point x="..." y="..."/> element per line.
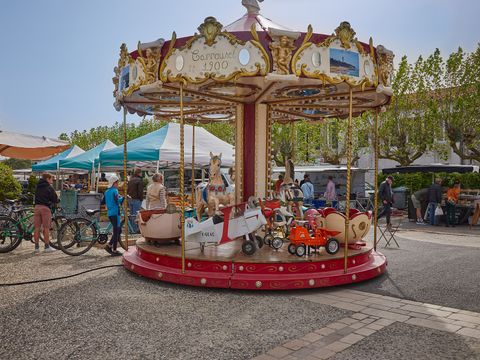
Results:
<point x="438" y="211"/>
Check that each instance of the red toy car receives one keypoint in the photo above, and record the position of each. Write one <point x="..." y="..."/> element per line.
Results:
<point x="300" y="238"/>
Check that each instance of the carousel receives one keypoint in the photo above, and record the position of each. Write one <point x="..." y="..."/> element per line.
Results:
<point x="252" y="74"/>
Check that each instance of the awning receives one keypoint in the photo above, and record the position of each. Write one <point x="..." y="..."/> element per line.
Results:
<point x="52" y="163"/>
<point x="29" y="147"/>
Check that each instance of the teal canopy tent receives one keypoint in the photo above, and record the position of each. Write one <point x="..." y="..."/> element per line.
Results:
<point x="163" y="146"/>
<point x="87" y="160"/>
<point x="52" y="164"/>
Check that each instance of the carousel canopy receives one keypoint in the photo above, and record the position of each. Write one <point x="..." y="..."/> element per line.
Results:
<point x="21" y="146"/>
<point x="88" y="159"/>
<point x="298" y="75"/>
<point x="163" y="145"/>
<point x="52" y="164"/>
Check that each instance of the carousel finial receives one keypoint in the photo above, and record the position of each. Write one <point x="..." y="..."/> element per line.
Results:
<point x="252" y="6"/>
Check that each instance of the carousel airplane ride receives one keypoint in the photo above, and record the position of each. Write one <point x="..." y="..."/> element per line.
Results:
<point x="251" y="74"/>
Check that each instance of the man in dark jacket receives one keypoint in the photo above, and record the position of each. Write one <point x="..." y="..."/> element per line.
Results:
<point x="385" y="193"/>
<point x="434" y="200"/>
<point x="135" y="193"/>
<point x="45" y="199"/>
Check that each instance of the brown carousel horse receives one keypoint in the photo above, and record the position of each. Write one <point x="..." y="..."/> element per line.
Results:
<point x="290" y="194"/>
<point x="213" y="193"/>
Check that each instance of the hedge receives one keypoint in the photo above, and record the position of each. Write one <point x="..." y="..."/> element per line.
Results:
<point x="417" y="181"/>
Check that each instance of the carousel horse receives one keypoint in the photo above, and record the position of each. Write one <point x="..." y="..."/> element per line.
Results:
<point x="213" y="193"/>
<point x="291" y="194"/>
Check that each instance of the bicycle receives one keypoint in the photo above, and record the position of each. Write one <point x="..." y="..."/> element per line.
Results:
<point x="16" y="224"/>
<point x="78" y="235"/>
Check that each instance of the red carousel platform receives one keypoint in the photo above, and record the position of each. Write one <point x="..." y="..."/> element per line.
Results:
<point x="225" y="266"/>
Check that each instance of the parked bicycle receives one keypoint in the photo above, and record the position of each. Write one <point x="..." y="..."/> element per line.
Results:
<point x="17" y="224"/>
<point x="78" y="235"/>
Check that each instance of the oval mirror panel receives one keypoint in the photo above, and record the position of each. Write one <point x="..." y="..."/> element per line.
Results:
<point x="244" y="57"/>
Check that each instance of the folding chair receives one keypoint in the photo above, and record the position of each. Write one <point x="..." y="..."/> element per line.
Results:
<point x="389" y="233"/>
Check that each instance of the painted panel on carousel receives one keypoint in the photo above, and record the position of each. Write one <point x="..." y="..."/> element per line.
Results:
<point x="214" y="54"/>
<point x="339" y="58"/>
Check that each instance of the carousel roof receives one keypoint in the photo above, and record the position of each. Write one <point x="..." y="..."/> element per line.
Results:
<point x="298" y="75"/>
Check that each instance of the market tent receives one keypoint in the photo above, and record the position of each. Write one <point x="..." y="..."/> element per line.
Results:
<point x="434" y="168"/>
<point x="29" y="147"/>
<point x="163" y="146"/>
<point x="87" y="160"/>
<point x="52" y="163"/>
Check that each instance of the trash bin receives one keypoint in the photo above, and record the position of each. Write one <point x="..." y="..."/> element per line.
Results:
<point x="400" y="197"/>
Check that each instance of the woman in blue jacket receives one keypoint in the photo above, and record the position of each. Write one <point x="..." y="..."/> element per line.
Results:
<point x="113" y="201"/>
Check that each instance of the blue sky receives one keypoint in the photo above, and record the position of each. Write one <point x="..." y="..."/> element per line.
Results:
<point x="57" y="56"/>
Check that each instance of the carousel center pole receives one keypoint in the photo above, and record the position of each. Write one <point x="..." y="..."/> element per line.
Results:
<point x="375" y="177"/>
<point x="182" y="180"/>
<point x="193" y="166"/>
<point x="349" y="169"/>
<point x="125" y="200"/>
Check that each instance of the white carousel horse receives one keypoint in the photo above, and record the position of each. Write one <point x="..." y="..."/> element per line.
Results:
<point x="213" y="193"/>
<point x="291" y="194"/>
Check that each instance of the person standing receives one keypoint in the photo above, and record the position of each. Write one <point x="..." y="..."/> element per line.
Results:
<point x="434" y="200"/>
<point x="113" y="201"/>
<point x="135" y="193"/>
<point x="330" y="192"/>
<point x="156" y="193"/>
<point x="305" y="177"/>
<point x="308" y="190"/>
<point x="418" y="197"/>
<point x="278" y="184"/>
<point x="45" y="199"/>
<point x="452" y="199"/>
<point x="385" y="193"/>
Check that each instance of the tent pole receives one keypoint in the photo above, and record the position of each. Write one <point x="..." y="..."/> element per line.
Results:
<point x="125" y="200"/>
<point x="349" y="169"/>
<point x="193" y="166"/>
<point x="375" y="201"/>
<point x="98" y="177"/>
<point x="182" y="182"/>
<point x="158" y="166"/>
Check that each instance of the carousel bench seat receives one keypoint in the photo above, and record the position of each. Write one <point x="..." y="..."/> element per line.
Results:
<point x="159" y="225"/>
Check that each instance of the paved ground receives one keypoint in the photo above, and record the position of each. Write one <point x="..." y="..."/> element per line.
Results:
<point x="425" y="307"/>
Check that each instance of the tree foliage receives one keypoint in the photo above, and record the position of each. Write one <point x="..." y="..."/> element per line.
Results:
<point x="10" y="188"/>
<point x="18" y="163"/>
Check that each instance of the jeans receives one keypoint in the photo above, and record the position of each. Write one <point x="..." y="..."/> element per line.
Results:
<point x="432" y="206"/>
<point x="450" y="214"/>
<point x="134" y="205"/>
<point x="386" y="211"/>
<point x="308" y="201"/>
<point x="117" y="230"/>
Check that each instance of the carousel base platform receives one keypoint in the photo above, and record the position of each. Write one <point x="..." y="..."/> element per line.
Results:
<point x="225" y="266"/>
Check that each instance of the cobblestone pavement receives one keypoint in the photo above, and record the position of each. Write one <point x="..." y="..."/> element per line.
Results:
<point x="409" y="313"/>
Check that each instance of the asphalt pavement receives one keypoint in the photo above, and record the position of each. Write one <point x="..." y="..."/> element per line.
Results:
<point x="113" y="314"/>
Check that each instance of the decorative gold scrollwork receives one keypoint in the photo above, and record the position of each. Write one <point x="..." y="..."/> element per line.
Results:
<point x="123" y="60"/>
<point x="210" y="29"/>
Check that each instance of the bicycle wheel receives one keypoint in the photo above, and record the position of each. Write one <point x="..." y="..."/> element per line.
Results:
<point x="10" y="234"/>
<point x="122" y="241"/>
<point x="76" y="236"/>
<point x="57" y="223"/>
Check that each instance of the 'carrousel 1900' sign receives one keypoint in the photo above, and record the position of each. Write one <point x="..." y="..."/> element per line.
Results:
<point x="216" y="55"/>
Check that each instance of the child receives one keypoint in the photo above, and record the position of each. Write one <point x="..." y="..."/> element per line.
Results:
<point x="113" y="201"/>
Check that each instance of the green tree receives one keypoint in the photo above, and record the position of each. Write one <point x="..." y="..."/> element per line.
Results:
<point x="459" y="103"/>
<point x="18" y="163"/>
<point x="10" y="188"/>
<point x="409" y="127"/>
